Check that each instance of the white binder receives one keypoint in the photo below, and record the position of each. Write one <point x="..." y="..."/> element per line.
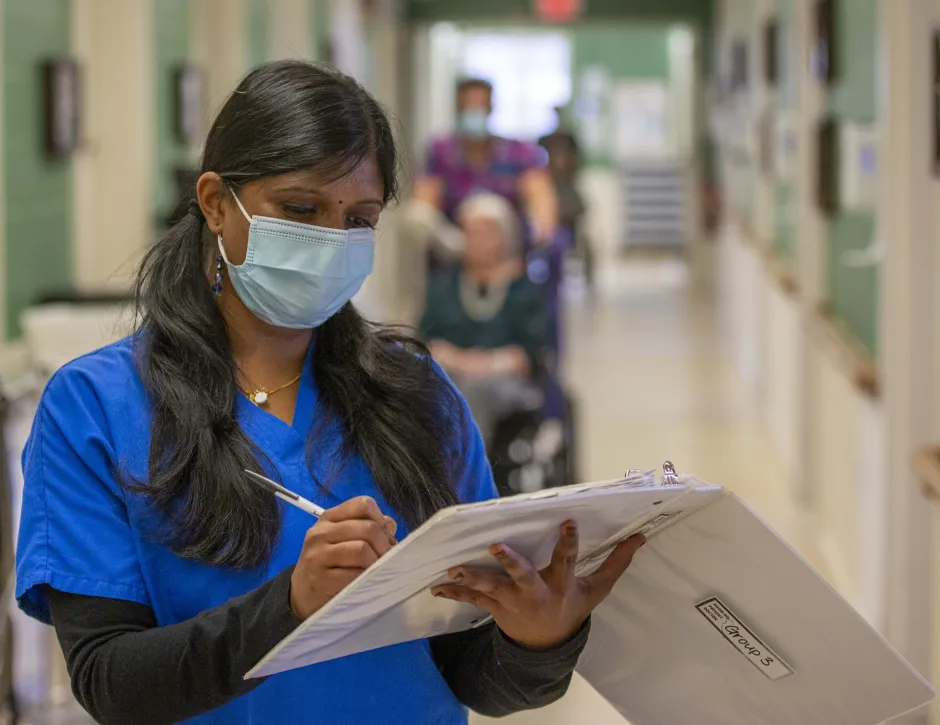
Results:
<point x="717" y="622"/>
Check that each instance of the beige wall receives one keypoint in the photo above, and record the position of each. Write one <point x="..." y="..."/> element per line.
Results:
<point x="114" y="170"/>
<point x="219" y="40"/>
<point x="290" y="27"/>
<point x="909" y="316"/>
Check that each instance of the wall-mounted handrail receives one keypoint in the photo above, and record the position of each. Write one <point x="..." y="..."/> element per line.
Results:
<point x="926" y="465"/>
<point x="781" y="274"/>
<point x="848" y="353"/>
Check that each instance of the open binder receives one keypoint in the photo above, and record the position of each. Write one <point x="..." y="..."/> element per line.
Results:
<point x="717" y="622"/>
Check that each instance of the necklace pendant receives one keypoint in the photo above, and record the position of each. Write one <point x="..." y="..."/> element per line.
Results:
<point x="259" y="398"/>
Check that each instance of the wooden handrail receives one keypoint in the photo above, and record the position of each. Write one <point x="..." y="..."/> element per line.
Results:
<point x="779" y="270"/>
<point x="748" y="238"/>
<point x="781" y="274"/>
<point x="926" y="464"/>
<point x="847" y="350"/>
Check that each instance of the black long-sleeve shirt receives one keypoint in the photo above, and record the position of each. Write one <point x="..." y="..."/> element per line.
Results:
<point x="125" y="669"/>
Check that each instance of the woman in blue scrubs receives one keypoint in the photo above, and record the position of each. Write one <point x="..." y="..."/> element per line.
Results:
<point x="166" y="572"/>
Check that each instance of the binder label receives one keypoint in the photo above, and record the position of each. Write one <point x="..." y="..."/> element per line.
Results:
<point x="658" y="522"/>
<point x="743" y="639"/>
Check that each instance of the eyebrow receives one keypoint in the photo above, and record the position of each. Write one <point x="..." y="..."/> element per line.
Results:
<point x="316" y="192"/>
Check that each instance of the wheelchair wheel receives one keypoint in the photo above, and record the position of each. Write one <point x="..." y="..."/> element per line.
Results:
<point x="530" y="452"/>
<point x="511" y="450"/>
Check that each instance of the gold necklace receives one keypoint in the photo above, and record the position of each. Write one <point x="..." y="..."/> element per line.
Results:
<point x="261" y="395"/>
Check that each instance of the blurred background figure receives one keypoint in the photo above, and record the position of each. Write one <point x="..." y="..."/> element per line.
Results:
<point x="564" y="163"/>
<point x="485" y="322"/>
<point x="472" y="160"/>
<point x="488" y="326"/>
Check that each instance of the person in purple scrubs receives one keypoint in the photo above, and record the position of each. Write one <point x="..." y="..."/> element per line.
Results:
<point x="473" y="160"/>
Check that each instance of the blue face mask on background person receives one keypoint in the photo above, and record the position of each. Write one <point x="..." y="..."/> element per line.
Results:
<point x="473" y="123"/>
<point x="299" y="275"/>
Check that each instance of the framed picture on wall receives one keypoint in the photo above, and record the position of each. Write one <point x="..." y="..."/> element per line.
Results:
<point x="823" y="41"/>
<point x="62" y="94"/>
<point x="771" y="52"/>
<point x="827" y="173"/>
<point x="189" y="94"/>
<point x="740" y="62"/>
<point x="327" y="51"/>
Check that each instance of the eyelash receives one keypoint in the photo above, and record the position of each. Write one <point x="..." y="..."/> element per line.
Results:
<point x="303" y="211"/>
<point x="361" y="223"/>
<point x="298" y="211"/>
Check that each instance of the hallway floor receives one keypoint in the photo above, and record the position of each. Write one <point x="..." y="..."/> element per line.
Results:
<point x="652" y="384"/>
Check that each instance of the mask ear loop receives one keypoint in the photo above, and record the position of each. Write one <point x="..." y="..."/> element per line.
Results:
<point x="240" y="206"/>
<point x="222" y="255"/>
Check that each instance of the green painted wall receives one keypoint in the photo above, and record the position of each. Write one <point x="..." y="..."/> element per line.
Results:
<point x="256" y="29"/>
<point x="786" y="191"/>
<point x="38" y="200"/>
<point x="522" y="10"/>
<point x="697" y="13"/>
<point x="626" y="52"/>
<point x="171" y="45"/>
<point x="320" y="28"/>
<point x="784" y="227"/>
<point x="742" y="167"/>
<point x="853" y="292"/>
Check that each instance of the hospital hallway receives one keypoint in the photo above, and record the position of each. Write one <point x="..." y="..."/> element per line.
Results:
<point x="652" y="383"/>
<point x="753" y="186"/>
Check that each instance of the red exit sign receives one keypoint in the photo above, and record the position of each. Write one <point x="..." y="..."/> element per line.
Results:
<point x="558" y="11"/>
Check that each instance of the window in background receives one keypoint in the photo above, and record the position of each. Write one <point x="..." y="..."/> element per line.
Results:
<point x="531" y="76"/>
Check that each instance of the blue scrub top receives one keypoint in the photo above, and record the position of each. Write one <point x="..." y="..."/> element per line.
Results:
<point x="80" y="532"/>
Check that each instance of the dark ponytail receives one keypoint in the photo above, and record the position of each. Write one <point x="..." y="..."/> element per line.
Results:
<point x="376" y="383"/>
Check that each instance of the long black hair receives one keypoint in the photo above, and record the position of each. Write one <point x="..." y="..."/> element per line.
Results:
<point x="376" y="383"/>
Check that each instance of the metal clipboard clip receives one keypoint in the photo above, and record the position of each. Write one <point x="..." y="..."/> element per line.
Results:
<point x="670" y="477"/>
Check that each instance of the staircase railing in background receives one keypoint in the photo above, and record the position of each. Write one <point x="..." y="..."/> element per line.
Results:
<point x="657" y="203"/>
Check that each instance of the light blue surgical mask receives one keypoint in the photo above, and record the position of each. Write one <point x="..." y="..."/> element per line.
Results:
<point x="473" y="123"/>
<point x="299" y="275"/>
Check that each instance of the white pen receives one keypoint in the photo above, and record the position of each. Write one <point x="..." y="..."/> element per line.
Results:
<point x="287" y="495"/>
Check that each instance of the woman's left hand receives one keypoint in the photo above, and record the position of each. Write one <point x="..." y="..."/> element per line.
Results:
<point x="540" y="609"/>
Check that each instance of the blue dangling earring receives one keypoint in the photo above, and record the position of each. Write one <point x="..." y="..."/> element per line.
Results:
<point x="217" y="287"/>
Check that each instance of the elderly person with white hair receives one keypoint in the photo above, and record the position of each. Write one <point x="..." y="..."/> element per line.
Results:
<point x="486" y="324"/>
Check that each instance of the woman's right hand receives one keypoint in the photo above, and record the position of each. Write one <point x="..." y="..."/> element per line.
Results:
<point x="338" y="548"/>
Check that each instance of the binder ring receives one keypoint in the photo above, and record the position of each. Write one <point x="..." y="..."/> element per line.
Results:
<point x="670" y="478"/>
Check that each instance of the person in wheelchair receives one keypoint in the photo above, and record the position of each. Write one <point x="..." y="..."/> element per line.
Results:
<point x="485" y="322"/>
